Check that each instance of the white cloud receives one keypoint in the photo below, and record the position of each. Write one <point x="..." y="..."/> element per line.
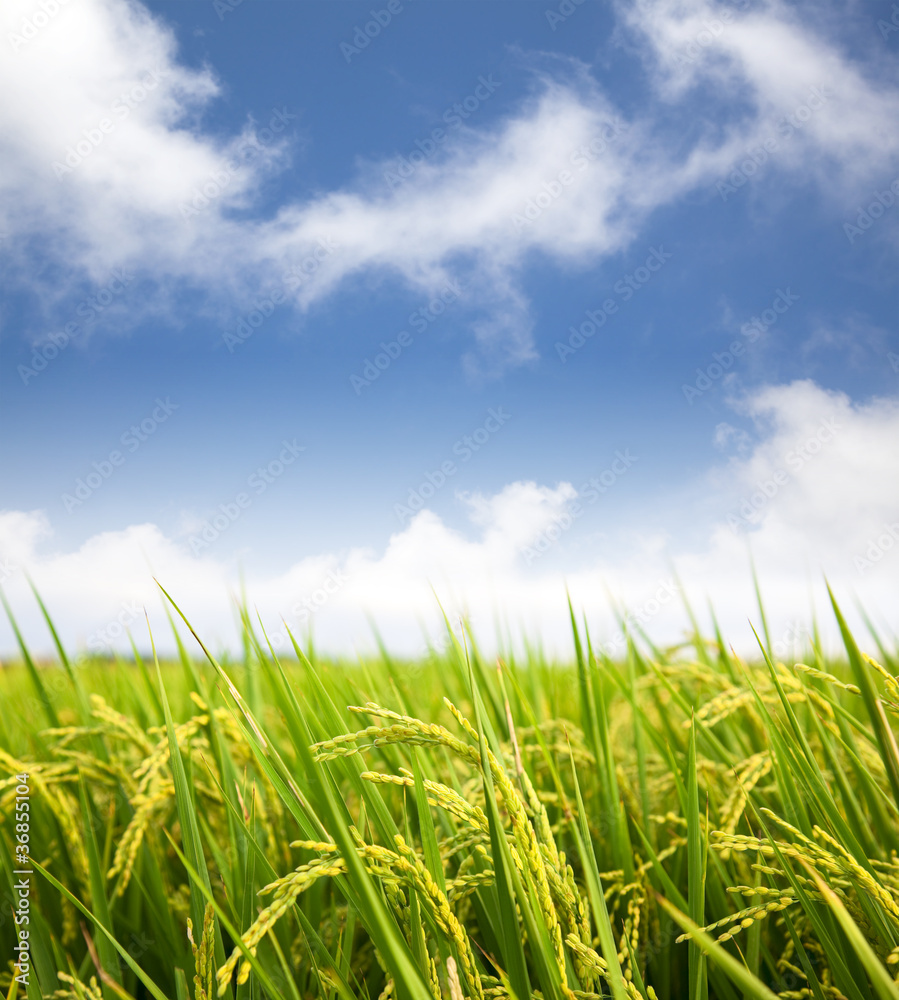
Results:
<point x="815" y="495"/>
<point x="839" y="458"/>
<point x="478" y="211"/>
<point x="98" y="91"/>
<point x="455" y="217"/>
<point x="728" y="436"/>
<point x="792" y="80"/>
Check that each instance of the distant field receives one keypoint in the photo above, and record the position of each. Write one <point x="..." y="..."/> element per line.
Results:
<point x="453" y="827"/>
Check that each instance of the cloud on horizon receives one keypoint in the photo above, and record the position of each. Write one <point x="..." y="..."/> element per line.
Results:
<point x="814" y="494"/>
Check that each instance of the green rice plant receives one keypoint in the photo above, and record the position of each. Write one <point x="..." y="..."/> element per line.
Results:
<point x="674" y="823"/>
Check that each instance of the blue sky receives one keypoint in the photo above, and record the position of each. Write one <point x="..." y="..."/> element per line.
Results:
<point x="711" y="182"/>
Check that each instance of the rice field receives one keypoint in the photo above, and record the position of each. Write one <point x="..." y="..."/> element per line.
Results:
<point x="677" y="823"/>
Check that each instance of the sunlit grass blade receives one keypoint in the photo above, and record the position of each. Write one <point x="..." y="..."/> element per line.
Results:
<point x="752" y="987"/>
<point x="507" y="920"/>
<point x="885" y="738"/>
<point x="33" y="671"/>
<point x="535" y="836"/>
<point x="584" y="842"/>
<point x="61" y="653"/>
<point x="187" y="811"/>
<point x="883" y="983"/>
<point x="100" y="903"/>
<point x="769" y="649"/>
<point x="151" y="987"/>
<point x="696" y="869"/>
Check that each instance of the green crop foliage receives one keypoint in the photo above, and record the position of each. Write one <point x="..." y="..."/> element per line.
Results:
<point x="675" y="823"/>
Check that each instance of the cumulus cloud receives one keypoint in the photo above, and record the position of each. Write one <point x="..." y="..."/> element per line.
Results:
<point x="100" y="136"/>
<point x="838" y="470"/>
<point x="815" y="494"/>
<point x="154" y="189"/>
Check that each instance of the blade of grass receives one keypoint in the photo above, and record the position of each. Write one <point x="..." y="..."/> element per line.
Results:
<point x="695" y="870"/>
<point x="504" y="868"/>
<point x="33" y="671"/>
<point x="881" y="980"/>
<point x="584" y="842"/>
<point x="752" y="987"/>
<point x="152" y="988"/>
<point x="885" y="739"/>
